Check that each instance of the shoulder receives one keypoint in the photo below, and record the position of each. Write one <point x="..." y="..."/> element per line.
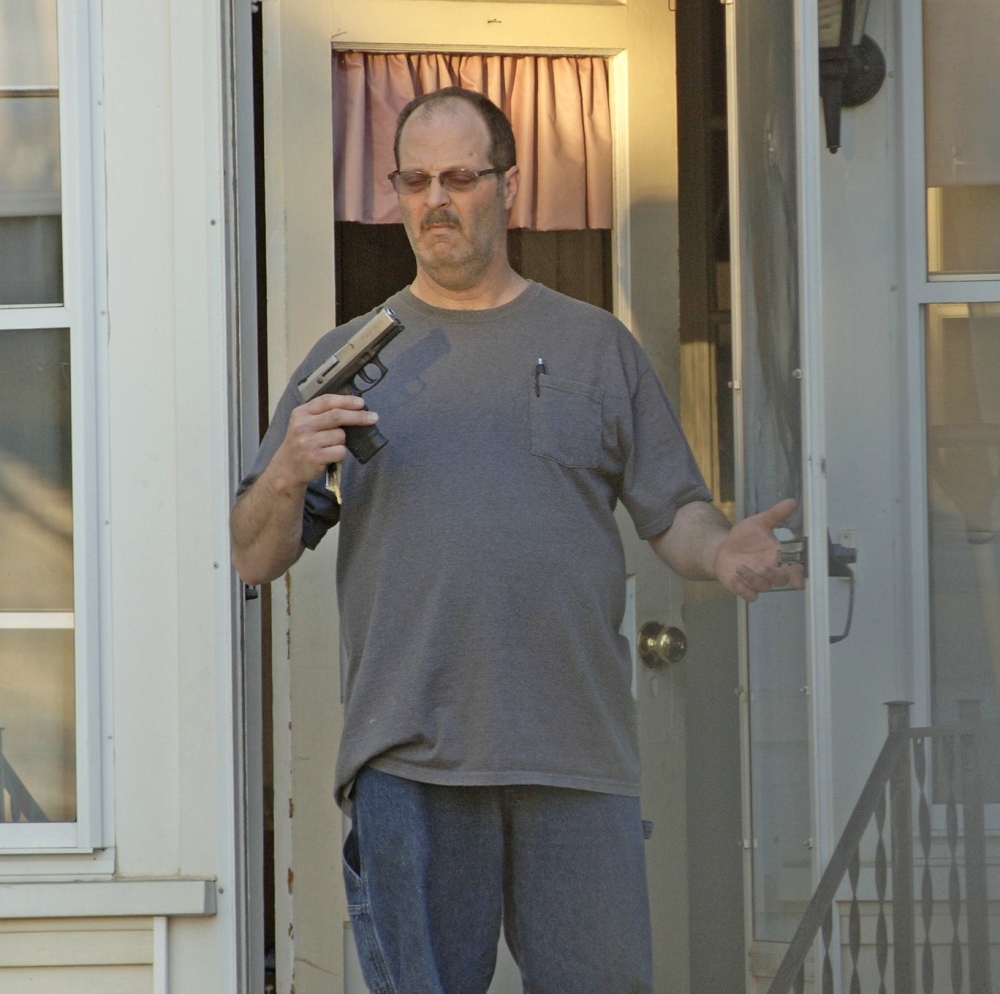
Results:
<point x="556" y="302"/>
<point x="593" y="330"/>
<point x="587" y="318"/>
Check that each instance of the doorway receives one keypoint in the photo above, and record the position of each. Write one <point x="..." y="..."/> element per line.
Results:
<point x="717" y="948"/>
<point x="374" y="261"/>
<point x="637" y="40"/>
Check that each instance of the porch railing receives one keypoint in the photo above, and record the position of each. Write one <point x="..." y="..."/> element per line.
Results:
<point x="22" y="804"/>
<point x="906" y="758"/>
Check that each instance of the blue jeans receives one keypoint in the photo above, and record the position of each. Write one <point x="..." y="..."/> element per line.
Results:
<point x="432" y="872"/>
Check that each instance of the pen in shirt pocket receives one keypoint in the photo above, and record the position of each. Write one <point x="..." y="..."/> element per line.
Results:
<point x="540" y="370"/>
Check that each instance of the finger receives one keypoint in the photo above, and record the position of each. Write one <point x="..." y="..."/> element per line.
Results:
<point x="743" y="589"/>
<point x="364" y="417"/>
<point x="776" y="576"/>
<point x="326" y="440"/>
<point x="336" y="453"/>
<point x="334" y="401"/>
<point x="779" y="512"/>
<point x="339" y="417"/>
<point x="756" y="581"/>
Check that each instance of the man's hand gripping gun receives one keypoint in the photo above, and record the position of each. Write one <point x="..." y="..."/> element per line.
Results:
<point x="357" y="360"/>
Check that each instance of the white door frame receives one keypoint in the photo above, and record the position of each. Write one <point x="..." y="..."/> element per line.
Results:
<point x="809" y="148"/>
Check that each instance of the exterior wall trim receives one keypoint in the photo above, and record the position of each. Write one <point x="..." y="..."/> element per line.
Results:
<point x="109" y="899"/>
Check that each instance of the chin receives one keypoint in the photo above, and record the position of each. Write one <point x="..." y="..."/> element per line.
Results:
<point x="456" y="276"/>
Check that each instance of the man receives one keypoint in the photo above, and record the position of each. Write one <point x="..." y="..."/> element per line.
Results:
<point x="489" y="755"/>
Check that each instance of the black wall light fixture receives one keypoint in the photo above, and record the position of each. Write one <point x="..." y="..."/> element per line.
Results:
<point x="851" y="65"/>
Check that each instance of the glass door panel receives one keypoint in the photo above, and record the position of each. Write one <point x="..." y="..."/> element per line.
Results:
<point x="769" y="260"/>
<point x="963" y="460"/>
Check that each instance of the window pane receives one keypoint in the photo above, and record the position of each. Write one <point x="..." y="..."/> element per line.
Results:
<point x="962" y="64"/>
<point x="963" y="458"/>
<point x="28" y="43"/>
<point x="36" y="521"/>
<point x="37" y="715"/>
<point x="30" y="200"/>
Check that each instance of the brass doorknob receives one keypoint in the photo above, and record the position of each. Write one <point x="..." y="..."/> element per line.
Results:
<point x="659" y="645"/>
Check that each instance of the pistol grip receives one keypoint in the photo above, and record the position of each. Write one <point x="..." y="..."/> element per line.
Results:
<point x="363" y="441"/>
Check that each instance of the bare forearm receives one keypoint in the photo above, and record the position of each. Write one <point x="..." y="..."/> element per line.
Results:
<point x="266" y="529"/>
<point x="701" y="545"/>
<point x="690" y="545"/>
<point x="266" y="523"/>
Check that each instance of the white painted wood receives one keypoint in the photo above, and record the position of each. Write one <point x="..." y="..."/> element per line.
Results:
<point x="957" y="290"/>
<point x="80" y="948"/>
<point x="161" y="955"/>
<point x="912" y="210"/>
<point x="809" y="149"/>
<point x="310" y="905"/>
<point x="438" y="25"/>
<point x="85" y="979"/>
<point x="49" y="316"/>
<point x="36" y="619"/>
<point x="83" y="209"/>
<point x="621" y="252"/>
<point x="95" y="899"/>
<point x="56" y="926"/>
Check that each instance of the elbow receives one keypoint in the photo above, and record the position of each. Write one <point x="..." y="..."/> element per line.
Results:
<point x="254" y="571"/>
<point x="251" y="570"/>
<point x="248" y="572"/>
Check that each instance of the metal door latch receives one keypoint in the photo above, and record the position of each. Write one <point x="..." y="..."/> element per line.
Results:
<point x="839" y="561"/>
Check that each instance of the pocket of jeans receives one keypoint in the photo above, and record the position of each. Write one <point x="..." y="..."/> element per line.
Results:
<point x="567" y="422"/>
<point x="373" y="965"/>
<point x="352" y="872"/>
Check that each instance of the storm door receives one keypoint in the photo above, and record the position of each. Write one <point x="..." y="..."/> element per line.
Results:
<point x="774" y="150"/>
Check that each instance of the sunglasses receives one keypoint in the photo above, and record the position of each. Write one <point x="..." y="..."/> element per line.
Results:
<point x="453" y="180"/>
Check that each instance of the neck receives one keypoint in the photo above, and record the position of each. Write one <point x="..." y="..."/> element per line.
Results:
<point x="497" y="289"/>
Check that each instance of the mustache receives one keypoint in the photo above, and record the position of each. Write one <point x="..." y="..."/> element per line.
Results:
<point x="439" y="216"/>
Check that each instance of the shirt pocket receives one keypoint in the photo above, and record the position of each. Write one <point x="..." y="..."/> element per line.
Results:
<point x="567" y="421"/>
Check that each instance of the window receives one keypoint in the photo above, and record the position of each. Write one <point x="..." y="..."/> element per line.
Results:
<point x="962" y="118"/>
<point x="961" y="362"/>
<point x="48" y="686"/>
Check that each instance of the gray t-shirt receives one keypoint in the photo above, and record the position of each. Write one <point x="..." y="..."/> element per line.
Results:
<point x="480" y="574"/>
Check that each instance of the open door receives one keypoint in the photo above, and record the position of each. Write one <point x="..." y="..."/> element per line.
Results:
<point x="774" y="169"/>
<point x="314" y="944"/>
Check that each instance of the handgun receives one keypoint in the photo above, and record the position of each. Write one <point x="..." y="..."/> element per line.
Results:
<point x="357" y="360"/>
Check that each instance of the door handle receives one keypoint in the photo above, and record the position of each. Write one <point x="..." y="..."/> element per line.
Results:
<point x="839" y="561"/>
<point x="659" y="645"/>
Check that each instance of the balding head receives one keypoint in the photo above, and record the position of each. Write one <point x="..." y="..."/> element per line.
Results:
<point x="501" y="151"/>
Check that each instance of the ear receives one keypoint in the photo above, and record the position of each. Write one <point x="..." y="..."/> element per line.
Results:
<point x="512" y="182"/>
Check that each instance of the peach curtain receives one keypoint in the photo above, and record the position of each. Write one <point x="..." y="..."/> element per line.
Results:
<point x="558" y="106"/>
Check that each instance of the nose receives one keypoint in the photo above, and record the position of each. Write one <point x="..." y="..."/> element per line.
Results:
<point x="436" y="195"/>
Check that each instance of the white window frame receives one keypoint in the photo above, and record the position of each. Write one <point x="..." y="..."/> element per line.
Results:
<point x="84" y="313"/>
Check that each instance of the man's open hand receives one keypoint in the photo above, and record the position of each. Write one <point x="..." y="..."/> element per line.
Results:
<point x="746" y="562"/>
